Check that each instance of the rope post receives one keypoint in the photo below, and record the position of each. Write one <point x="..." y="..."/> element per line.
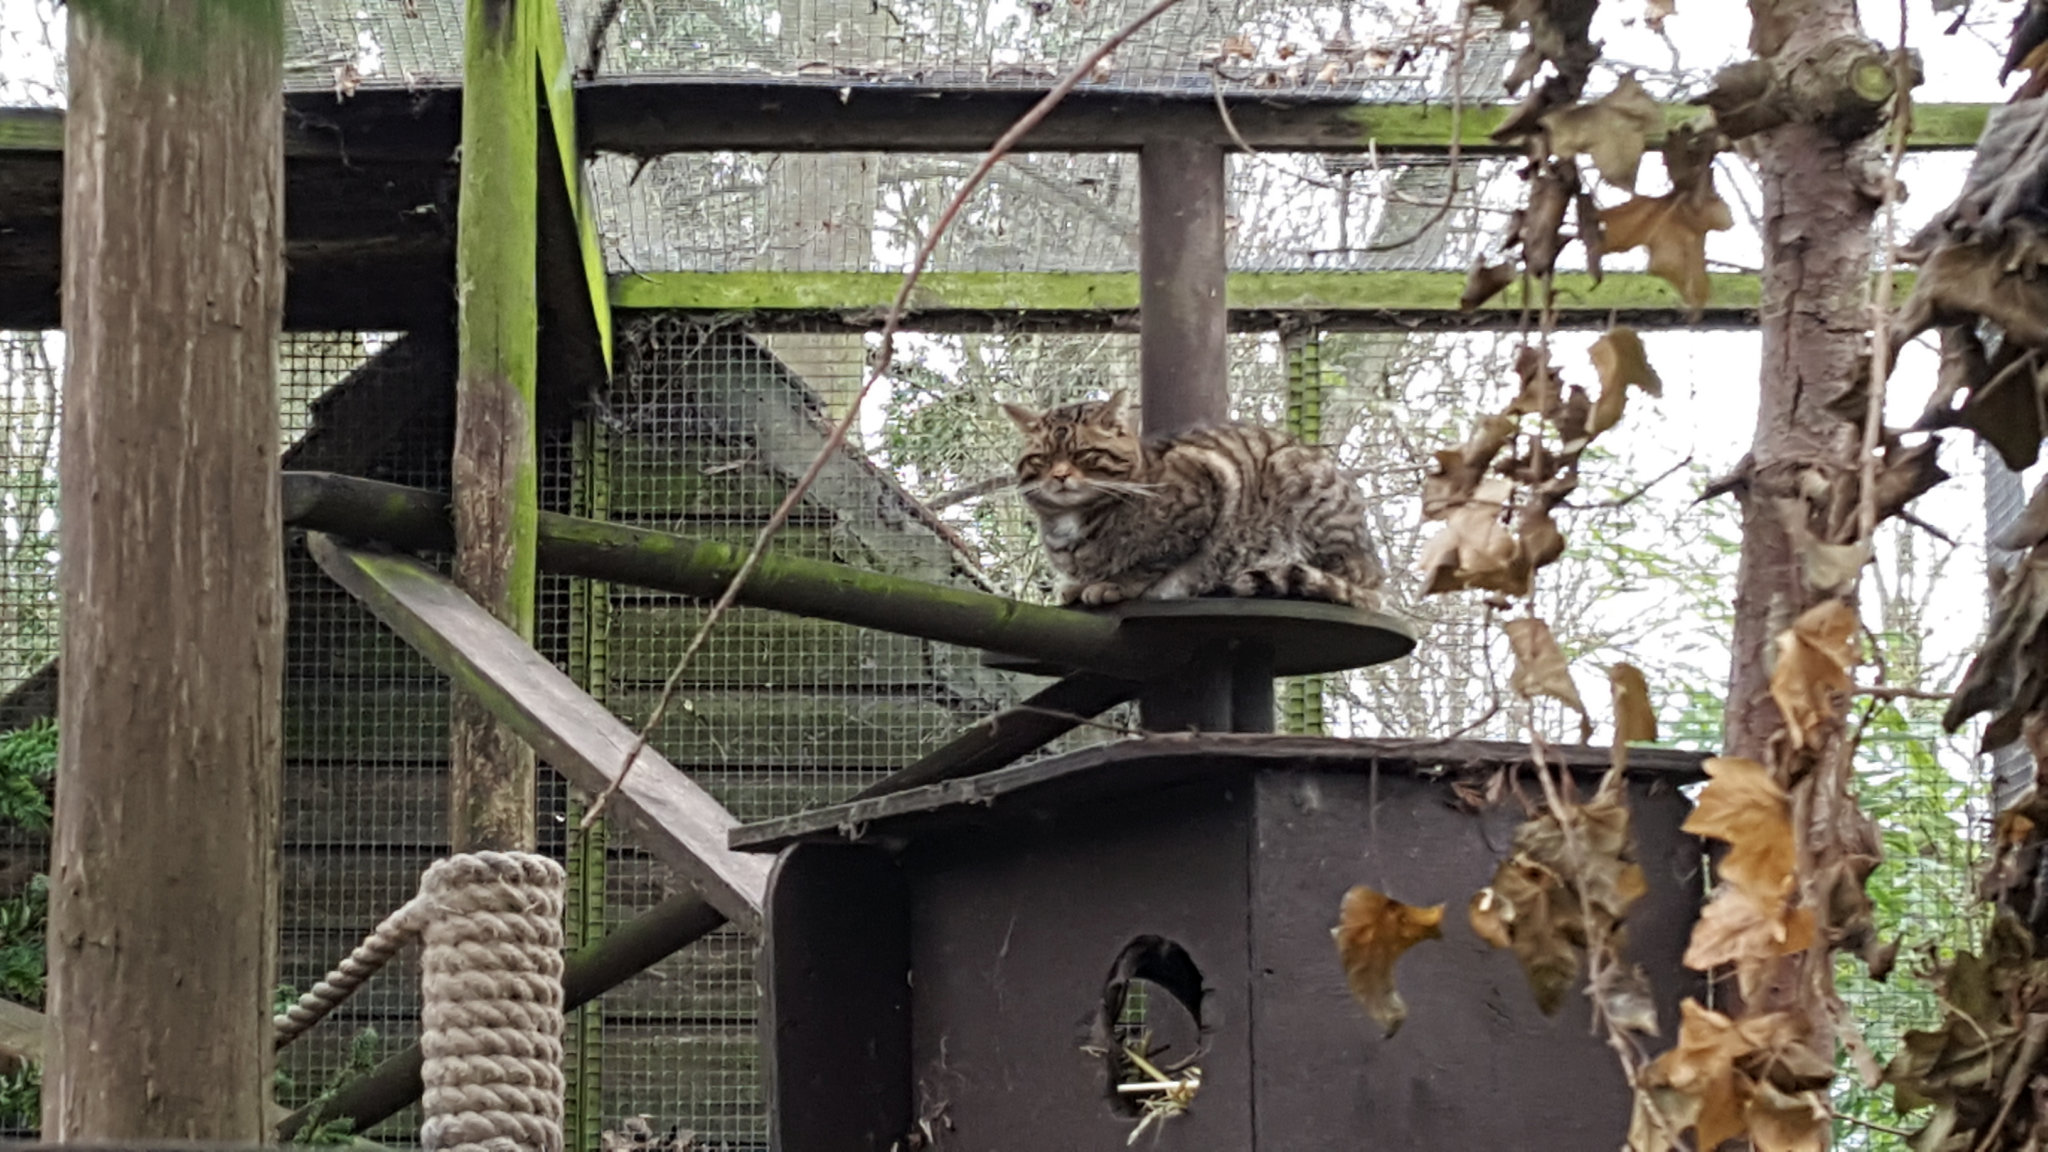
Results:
<point x="490" y="932"/>
<point x="491" y="979"/>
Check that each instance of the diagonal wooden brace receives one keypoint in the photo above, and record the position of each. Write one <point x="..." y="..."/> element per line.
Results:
<point x="672" y="817"/>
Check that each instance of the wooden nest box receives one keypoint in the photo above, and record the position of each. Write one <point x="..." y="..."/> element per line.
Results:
<point x="957" y="966"/>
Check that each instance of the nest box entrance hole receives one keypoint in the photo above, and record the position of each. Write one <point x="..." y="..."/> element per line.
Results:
<point x="1149" y="1027"/>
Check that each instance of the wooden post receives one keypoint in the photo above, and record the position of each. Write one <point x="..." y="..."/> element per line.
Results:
<point x="1183" y="355"/>
<point x="1184" y="374"/>
<point x="496" y="481"/>
<point x="163" y="876"/>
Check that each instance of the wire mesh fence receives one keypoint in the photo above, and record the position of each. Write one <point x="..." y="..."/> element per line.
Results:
<point x="706" y="424"/>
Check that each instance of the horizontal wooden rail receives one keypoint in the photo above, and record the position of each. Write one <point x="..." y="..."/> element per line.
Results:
<point x="418" y="520"/>
<point x="1109" y="300"/>
<point x="649" y="115"/>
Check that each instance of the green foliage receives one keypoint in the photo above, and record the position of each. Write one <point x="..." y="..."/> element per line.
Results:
<point x="28" y="761"/>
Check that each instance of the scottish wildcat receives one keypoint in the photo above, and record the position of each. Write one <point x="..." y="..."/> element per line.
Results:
<point x="1233" y="510"/>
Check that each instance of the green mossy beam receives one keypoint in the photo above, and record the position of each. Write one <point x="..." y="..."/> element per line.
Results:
<point x="417" y="520"/>
<point x="496" y="477"/>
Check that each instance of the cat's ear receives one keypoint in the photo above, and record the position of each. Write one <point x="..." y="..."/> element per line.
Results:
<point x="1024" y="418"/>
<point x="1111" y="414"/>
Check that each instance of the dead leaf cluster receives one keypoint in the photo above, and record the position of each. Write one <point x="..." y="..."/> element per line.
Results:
<point x="1497" y="505"/>
<point x="1725" y="1078"/>
<point x="1613" y="133"/>
<point x="1560" y="898"/>
<point x="1754" y="915"/>
<point x="1982" y="1069"/>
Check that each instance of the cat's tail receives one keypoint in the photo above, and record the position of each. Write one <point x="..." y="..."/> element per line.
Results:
<point x="1300" y="581"/>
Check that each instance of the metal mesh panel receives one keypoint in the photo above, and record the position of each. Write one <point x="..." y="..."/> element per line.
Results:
<point x="1258" y="44"/>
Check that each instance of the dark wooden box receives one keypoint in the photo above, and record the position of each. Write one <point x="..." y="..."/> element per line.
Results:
<point x="935" y="961"/>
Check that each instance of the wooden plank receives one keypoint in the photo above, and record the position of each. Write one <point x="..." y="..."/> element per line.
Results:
<point x="1008" y="735"/>
<point x="673" y="817"/>
<point x="365" y="805"/>
<point x="838" y="1000"/>
<point x="21" y="1034"/>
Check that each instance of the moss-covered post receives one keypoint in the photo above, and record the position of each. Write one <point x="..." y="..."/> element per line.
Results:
<point x="496" y="481"/>
<point x="163" y="874"/>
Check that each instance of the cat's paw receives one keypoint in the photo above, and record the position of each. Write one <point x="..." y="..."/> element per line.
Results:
<point x="1104" y="592"/>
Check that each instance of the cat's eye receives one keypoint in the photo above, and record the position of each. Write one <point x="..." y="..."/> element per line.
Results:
<point x="1091" y="459"/>
<point x="1031" y="463"/>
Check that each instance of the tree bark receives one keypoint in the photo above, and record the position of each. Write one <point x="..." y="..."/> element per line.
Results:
<point x="496" y="470"/>
<point x="163" y="917"/>
<point x="1818" y="214"/>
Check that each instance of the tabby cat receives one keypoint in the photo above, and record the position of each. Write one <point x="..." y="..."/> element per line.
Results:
<point x="1233" y="510"/>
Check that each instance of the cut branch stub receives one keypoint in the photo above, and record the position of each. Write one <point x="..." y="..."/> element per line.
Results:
<point x="1845" y="85"/>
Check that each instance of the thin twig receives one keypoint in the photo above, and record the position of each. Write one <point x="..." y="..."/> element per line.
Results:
<point x="961" y="495"/>
<point x="1638" y="494"/>
<point x="1889" y="692"/>
<point x="890" y="326"/>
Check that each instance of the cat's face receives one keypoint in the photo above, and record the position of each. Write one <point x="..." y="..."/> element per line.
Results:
<point x="1076" y="454"/>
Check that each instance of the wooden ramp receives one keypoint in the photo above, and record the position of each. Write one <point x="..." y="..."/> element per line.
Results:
<point x="673" y="818"/>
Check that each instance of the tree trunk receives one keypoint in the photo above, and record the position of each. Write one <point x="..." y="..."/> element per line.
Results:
<point x="1818" y="214"/>
<point x="163" y="917"/>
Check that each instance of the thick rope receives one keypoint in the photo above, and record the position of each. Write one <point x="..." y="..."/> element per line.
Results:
<point x="397" y="930"/>
<point x="491" y="979"/>
<point x="491" y="975"/>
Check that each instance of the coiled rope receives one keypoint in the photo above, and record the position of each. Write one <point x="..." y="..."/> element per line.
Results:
<point x="490" y="925"/>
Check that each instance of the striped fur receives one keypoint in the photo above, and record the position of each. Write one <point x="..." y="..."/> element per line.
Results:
<point x="1233" y="510"/>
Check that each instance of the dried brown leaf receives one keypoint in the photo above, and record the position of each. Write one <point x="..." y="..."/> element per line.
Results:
<point x="1484" y="282"/>
<point x="1613" y="130"/>
<point x="1635" y="719"/>
<point x="1372" y="933"/>
<point x="1540" y="666"/>
<point x="1828" y="569"/>
<point x="1655" y="12"/>
<point x="1475" y="549"/>
<point x="1781" y="1121"/>
<point x="1814" y="658"/>
<point x="1673" y="227"/>
<point x="1619" y="359"/>
<point x="1541" y="233"/>
<point x="1713" y="1080"/>
<point x="1745" y="806"/>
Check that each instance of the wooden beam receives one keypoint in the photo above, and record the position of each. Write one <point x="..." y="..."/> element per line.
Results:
<point x="574" y="252"/>
<point x="630" y="949"/>
<point x="643" y="114"/>
<point x="418" y="520"/>
<point x="497" y="450"/>
<point x="1014" y="732"/>
<point x="1109" y="300"/>
<point x="646" y="116"/>
<point x="674" y="819"/>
